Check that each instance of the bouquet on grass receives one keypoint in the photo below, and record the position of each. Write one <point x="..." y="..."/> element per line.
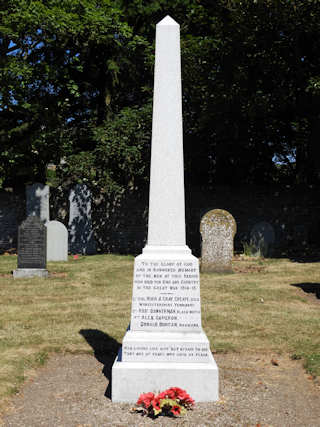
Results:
<point x="172" y="402"/>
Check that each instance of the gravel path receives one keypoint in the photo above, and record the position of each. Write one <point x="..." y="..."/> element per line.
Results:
<point x="70" y="391"/>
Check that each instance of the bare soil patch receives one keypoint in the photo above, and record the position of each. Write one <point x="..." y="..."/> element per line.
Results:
<point x="238" y="268"/>
<point x="57" y="274"/>
<point x="255" y="390"/>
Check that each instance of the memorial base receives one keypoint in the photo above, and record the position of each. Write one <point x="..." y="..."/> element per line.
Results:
<point x="20" y="273"/>
<point x="165" y="345"/>
<point x="130" y="379"/>
<point x="182" y="347"/>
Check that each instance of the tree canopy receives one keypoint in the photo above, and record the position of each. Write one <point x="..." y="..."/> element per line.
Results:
<point x="76" y="82"/>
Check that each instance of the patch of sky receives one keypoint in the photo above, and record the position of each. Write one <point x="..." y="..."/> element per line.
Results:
<point x="14" y="51"/>
<point x="28" y="42"/>
<point x="284" y="159"/>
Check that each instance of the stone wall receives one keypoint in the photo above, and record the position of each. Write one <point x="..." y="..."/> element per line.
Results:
<point x="121" y="225"/>
<point x="294" y="215"/>
<point x="12" y="213"/>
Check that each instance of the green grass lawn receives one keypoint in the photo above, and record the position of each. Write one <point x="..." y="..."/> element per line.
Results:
<point x="261" y="307"/>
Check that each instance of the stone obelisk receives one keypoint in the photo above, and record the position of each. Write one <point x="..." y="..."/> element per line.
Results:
<point x="165" y="345"/>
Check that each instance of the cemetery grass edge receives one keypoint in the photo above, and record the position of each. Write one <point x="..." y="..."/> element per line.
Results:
<point x="259" y="308"/>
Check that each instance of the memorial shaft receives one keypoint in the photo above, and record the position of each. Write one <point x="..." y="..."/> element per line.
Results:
<point x="165" y="344"/>
<point x="166" y="203"/>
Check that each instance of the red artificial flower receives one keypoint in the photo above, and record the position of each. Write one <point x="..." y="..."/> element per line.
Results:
<point x="156" y="403"/>
<point x="182" y="395"/>
<point x="175" y="410"/>
<point x="170" y="393"/>
<point x="189" y="401"/>
<point x="176" y="393"/>
<point x="145" y="399"/>
<point x="75" y="256"/>
<point x="162" y="395"/>
<point x="173" y="401"/>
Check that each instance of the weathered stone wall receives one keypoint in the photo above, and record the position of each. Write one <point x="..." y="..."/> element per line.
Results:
<point x="12" y="213"/>
<point x="294" y="215"/>
<point x="121" y="225"/>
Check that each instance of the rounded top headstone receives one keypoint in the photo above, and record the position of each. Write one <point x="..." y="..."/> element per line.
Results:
<point x="57" y="241"/>
<point x="218" y="217"/>
<point x="263" y="230"/>
<point x="262" y="238"/>
<point x="56" y="226"/>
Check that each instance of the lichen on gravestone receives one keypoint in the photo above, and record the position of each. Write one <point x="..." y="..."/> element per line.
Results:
<point x="217" y="228"/>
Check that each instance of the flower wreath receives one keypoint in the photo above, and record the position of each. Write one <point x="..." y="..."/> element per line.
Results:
<point x="172" y="402"/>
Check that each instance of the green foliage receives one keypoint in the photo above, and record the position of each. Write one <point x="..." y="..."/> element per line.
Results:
<point x="248" y="249"/>
<point x="123" y="149"/>
<point x="77" y="77"/>
<point x="312" y="363"/>
<point x="121" y="155"/>
<point x="61" y="63"/>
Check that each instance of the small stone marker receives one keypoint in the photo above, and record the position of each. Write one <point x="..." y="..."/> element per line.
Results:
<point x="165" y="345"/>
<point x="32" y="249"/>
<point x="217" y="228"/>
<point x="57" y="241"/>
<point x="262" y="238"/>
<point x="81" y="237"/>
<point x="37" y="196"/>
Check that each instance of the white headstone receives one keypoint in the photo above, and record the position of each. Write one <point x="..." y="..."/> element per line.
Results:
<point x="165" y="344"/>
<point x="37" y="198"/>
<point x="57" y="241"/>
<point x="81" y="237"/>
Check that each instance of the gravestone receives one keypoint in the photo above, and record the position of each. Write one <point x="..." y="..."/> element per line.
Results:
<point x="217" y="228"/>
<point x="81" y="237"/>
<point x="262" y="239"/>
<point x="57" y="241"/>
<point x="37" y="197"/>
<point x="32" y="249"/>
<point x="165" y="345"/>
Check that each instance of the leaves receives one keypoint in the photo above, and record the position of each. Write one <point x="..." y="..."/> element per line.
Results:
<point x="55" y="79"/>
<point x="72" y="71"/>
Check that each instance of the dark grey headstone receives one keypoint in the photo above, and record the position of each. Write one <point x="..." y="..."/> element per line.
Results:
<point x="262" y="239"/>
<point x="32" y="244"/>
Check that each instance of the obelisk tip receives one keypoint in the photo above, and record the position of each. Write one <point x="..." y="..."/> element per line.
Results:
<point x="168" y="21"/>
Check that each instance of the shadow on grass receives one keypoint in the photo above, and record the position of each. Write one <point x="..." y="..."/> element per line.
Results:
<point x="305" y="258"/>
<point x="105" y="351"/>
<point x="310" y="288"/>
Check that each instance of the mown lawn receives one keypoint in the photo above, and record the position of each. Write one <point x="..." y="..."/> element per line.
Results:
<point x="261" y="307"/>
